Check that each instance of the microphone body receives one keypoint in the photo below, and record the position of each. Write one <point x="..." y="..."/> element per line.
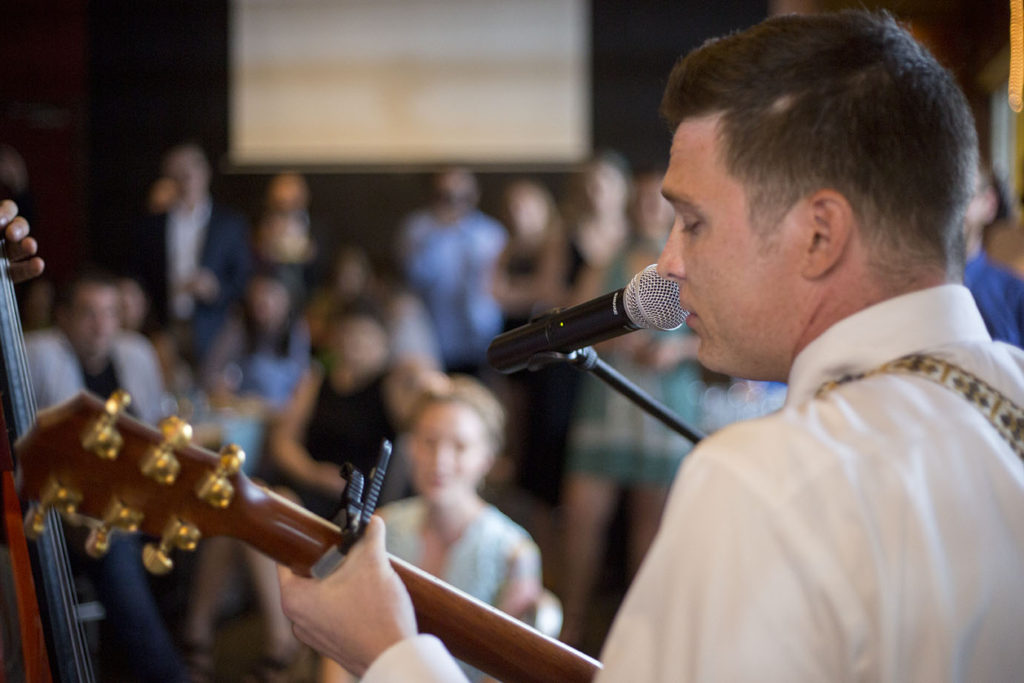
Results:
<point x="648" y="301"/>
<point x="561" y="330"/>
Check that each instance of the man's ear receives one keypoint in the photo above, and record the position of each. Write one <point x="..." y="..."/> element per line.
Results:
<point x="830" y="226"/>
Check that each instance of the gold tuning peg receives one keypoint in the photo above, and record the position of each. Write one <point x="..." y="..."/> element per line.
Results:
<point x="117" y="516"/>
<point x="35" y="521"/>
<point x="160" y="463"/>
<point x="177" y="534"/>
<point x="101" y="436"/>
<point x="98" y="542"/>
<point x="214" y="487"/>
<point x="54" y="495"/>
<point x="64" y="499"/>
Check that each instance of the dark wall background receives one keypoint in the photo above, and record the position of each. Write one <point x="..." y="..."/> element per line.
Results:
<point x="152" y="73"/>
<point x="43" y="115"/>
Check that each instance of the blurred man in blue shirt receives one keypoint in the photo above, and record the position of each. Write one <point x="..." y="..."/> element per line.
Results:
<point x="449" y="249"/>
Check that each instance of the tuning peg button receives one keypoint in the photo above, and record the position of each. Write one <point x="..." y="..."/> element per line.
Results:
<point x="177" y="534"/>
<point x="101" y="436"/>
<point x="56" y="496"/>
<point x="121" y="517"/>
<point x="159" y="463"/>
<point x="35" y="521"/>
<point x="156" y="559"/>
<point x="63" y="499"/>
<point x="117" y="517"/>
<point x="214" y="487"/>
<point x="98" y="542"/>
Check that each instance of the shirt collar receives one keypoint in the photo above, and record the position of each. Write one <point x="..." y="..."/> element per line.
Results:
<point x="199" y="215"/>
<point x="924" y="319"/>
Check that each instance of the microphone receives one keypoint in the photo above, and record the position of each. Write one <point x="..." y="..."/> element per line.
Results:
<point x="648" y="301"/>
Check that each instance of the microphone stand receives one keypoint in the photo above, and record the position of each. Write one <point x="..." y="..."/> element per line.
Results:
<point x="587" y="359"/>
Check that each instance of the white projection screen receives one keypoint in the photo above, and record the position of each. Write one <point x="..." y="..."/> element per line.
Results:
<point x="367" y="82"/>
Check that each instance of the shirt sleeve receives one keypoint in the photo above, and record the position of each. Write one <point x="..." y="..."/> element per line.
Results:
<point x="422" y="659"/>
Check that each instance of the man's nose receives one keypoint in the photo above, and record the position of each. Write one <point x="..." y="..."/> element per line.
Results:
<point x="670" y="261"/>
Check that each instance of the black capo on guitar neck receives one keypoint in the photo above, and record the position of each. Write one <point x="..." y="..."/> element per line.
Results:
<point x="358" y="503"/>
<point x="356" y="508"/>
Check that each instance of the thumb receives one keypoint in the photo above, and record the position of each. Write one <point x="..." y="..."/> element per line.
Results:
<point x="284" y="576"/>
<point x="375" y="536"/>
<point x="370" y="548"/>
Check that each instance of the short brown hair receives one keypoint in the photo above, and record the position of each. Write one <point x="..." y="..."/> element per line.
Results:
<point x="470" y="392"/>
<point x="87" y="275"/>
<point x="849" y="101"/>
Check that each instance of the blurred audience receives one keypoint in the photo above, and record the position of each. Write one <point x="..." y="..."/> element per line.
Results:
<point x="288" y="192"/>
<point x="531" y="278"/>
<point x="283" y="243"/>
<point x="355" y="276"/>
<point x="530" y="274"/>
<point x="252" y="370"/>
<point x="449" y="250"/>
<point x="262" y="351"/>
<point x="595" y="212"/>
<point x="134" y="305"/>
<point x="615" y="445"/>
<point x="162" y="195"/>
<point x="414" y="338"/>
<point x="36" y="301"/>
<point x="997" y="290"/>
<point x="1003" y="238"/>
<point x="88" y="349"/>
<point x="338" y="414"/>
<point x="348" y="279"/>
<point x="596" y="222"/>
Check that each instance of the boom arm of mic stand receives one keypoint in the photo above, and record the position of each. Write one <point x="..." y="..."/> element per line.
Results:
<point x="587" y="359"/>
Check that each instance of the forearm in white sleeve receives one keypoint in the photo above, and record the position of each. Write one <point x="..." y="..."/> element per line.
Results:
<point x="422" y="659"/>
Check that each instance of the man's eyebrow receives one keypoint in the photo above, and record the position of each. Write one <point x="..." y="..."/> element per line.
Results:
<point x="677" y="199"/>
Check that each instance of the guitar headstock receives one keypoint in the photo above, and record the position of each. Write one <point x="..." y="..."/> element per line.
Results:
<point x="101" y="468"/>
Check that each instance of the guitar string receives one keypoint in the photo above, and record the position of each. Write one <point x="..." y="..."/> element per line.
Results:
<point x="53" y="539"/>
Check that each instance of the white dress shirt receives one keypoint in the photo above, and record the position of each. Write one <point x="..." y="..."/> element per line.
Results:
<point x="873" y="534"/>
<point x="186" y="234"/>
<point x="57" y="374"/>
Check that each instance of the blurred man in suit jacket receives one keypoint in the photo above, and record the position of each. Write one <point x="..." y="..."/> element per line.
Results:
<point x="194" y="259"/>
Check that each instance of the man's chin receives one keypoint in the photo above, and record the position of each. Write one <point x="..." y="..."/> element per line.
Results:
<point x="717" y="363"/>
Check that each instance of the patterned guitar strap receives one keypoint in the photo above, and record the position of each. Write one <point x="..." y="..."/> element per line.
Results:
<point x="1006" y="416"/>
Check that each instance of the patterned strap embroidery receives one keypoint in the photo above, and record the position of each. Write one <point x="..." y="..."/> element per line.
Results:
<point x="1004" y="414"/>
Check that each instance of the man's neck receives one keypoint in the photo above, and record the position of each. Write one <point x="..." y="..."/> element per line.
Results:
<point x="862" y="293"/>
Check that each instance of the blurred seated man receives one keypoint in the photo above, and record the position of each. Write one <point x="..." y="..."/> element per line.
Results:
<point x="88" y="350"/>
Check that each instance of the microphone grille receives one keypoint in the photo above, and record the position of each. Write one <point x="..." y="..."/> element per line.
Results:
<point x="652" y="301"/>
